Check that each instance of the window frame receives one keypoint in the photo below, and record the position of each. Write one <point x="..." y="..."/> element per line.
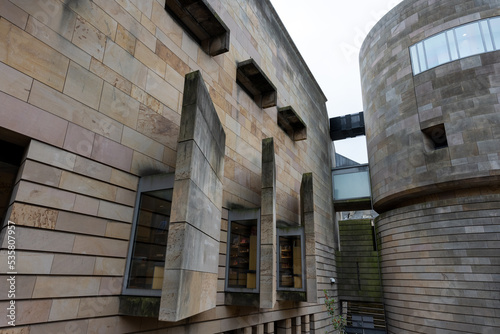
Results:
<point x="146" y="184"/>
<point x="290" y="232"/>
<point x="485" y="37"/>
<point x="242" y="215"/>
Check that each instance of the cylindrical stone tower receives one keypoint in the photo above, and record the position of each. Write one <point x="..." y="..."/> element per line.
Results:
<point x="430" y="74"/>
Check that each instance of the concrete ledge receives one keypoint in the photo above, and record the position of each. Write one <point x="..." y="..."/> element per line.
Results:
<point x="298" y="296"/>
<point x="356" y="204"/>
<point x="136" y="306"/>
<point x="253" y="81"/>
<point x="242" y="299"/>
<point x="199" y="19"/>
<point x="291" y="123"/>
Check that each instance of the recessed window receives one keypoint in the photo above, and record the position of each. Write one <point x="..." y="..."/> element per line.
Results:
<point x="436" y="137"/>
<point x="202" y="23"/>
<point x="146" y="261"/>
<point x="291" y="272"/>
<point x="459" y="42"/>
<point x="256" y="84"/>
<point x="10" y="160"/>
<point x="242" y="270"/>
<point x="291" y="123"/>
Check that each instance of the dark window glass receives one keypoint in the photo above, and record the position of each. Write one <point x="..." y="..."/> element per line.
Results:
<point x="150" y="242"/>
<point x="290" y="262"/>
<point x="242" y="264"/>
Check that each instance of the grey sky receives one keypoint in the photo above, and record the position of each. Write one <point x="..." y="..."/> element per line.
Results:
<point x="329" y="34"/>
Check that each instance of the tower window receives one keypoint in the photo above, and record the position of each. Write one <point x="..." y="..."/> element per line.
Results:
<point x="436" y="136"/>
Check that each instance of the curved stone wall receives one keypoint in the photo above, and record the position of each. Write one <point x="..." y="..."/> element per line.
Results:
<point x="440" y="264"/>
<point x="461" y="95"/>
<point x="439" y="200"/>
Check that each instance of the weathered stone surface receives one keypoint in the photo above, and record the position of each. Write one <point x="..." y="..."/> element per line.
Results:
<point x="119" y="106"/>
<point x="268" y="226"/>
<point x="89" y="39"/>
<point x="430" y="274"/>
<point x="133" y="53"/>
<point x="308" y="221"/>
<point x="69" y="109"/>
<point x="31" y="121"/>
<point x="196" y="208"/>
<point x="187" y="193"/>
<point x="195" y="294"/>
<point x="14" y="82"/>
<point x="18" y="48"/>
<point x="183" y="236"/>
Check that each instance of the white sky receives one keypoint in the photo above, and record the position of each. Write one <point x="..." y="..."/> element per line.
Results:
<point x="329" y="34"/>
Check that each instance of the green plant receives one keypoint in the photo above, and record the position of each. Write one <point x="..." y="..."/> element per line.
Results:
<point x="338" y="321"/>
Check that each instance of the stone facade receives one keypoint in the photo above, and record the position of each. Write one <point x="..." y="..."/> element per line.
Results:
<point x="92" y="92"/>
<point x="439" y="207"/>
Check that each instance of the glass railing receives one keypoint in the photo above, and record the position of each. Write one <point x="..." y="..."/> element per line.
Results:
<point x="456" y="43"/>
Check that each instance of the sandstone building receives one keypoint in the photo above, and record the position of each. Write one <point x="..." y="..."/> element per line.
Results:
<point x="430" y="73"/>
<point x="165" y="168"/>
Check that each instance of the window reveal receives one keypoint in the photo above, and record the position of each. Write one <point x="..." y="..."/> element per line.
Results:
<point x="290" y="266"/>
<point x="291" y="262"/>
<point x="243" y="255"/>
<point x="148" y="255"/>
<point x="148" y="240"/>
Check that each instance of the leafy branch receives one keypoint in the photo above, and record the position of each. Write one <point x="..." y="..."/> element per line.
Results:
<point x="338" y="321"/>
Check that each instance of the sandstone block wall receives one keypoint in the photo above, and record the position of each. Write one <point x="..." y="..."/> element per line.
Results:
<point x="94" y="89"/>
<point x="439" y="207"/>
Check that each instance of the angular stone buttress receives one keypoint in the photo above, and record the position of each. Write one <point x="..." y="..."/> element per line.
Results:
<point x="192" y="256"/>
<point x="268" y="226"/>
<point x="307" y="213"/>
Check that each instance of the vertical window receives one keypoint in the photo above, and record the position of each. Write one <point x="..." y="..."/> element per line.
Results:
<point x="291" y="260"/>
<point x="495" y="31"/>
<point x="421" y="56"/>
<point x="146" y="260"/>
<point x="453" y="45"/>
<point x="242" y="269"/>
<point x="485" y="32"/>
<point x="414" y="59"/>
<point x="437" y="50"/>
<point x="469" y="40"/>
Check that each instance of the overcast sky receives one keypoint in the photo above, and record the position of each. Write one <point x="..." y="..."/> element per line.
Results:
<point x="329" y="34"/>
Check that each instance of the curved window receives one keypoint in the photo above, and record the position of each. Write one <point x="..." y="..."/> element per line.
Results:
<point x="459" y="42"/>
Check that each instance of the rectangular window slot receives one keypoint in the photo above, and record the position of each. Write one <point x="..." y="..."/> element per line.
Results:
<point x="10" y="161"/>
<point x="291" y="259"/>
<point x="436" y="137"/>
<point x="199" y="19"/>
<point x="243" y="251"/>
<point x="291" y="123"/>
<point x="255" y="83"/>
<point x="146" y="260"/>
